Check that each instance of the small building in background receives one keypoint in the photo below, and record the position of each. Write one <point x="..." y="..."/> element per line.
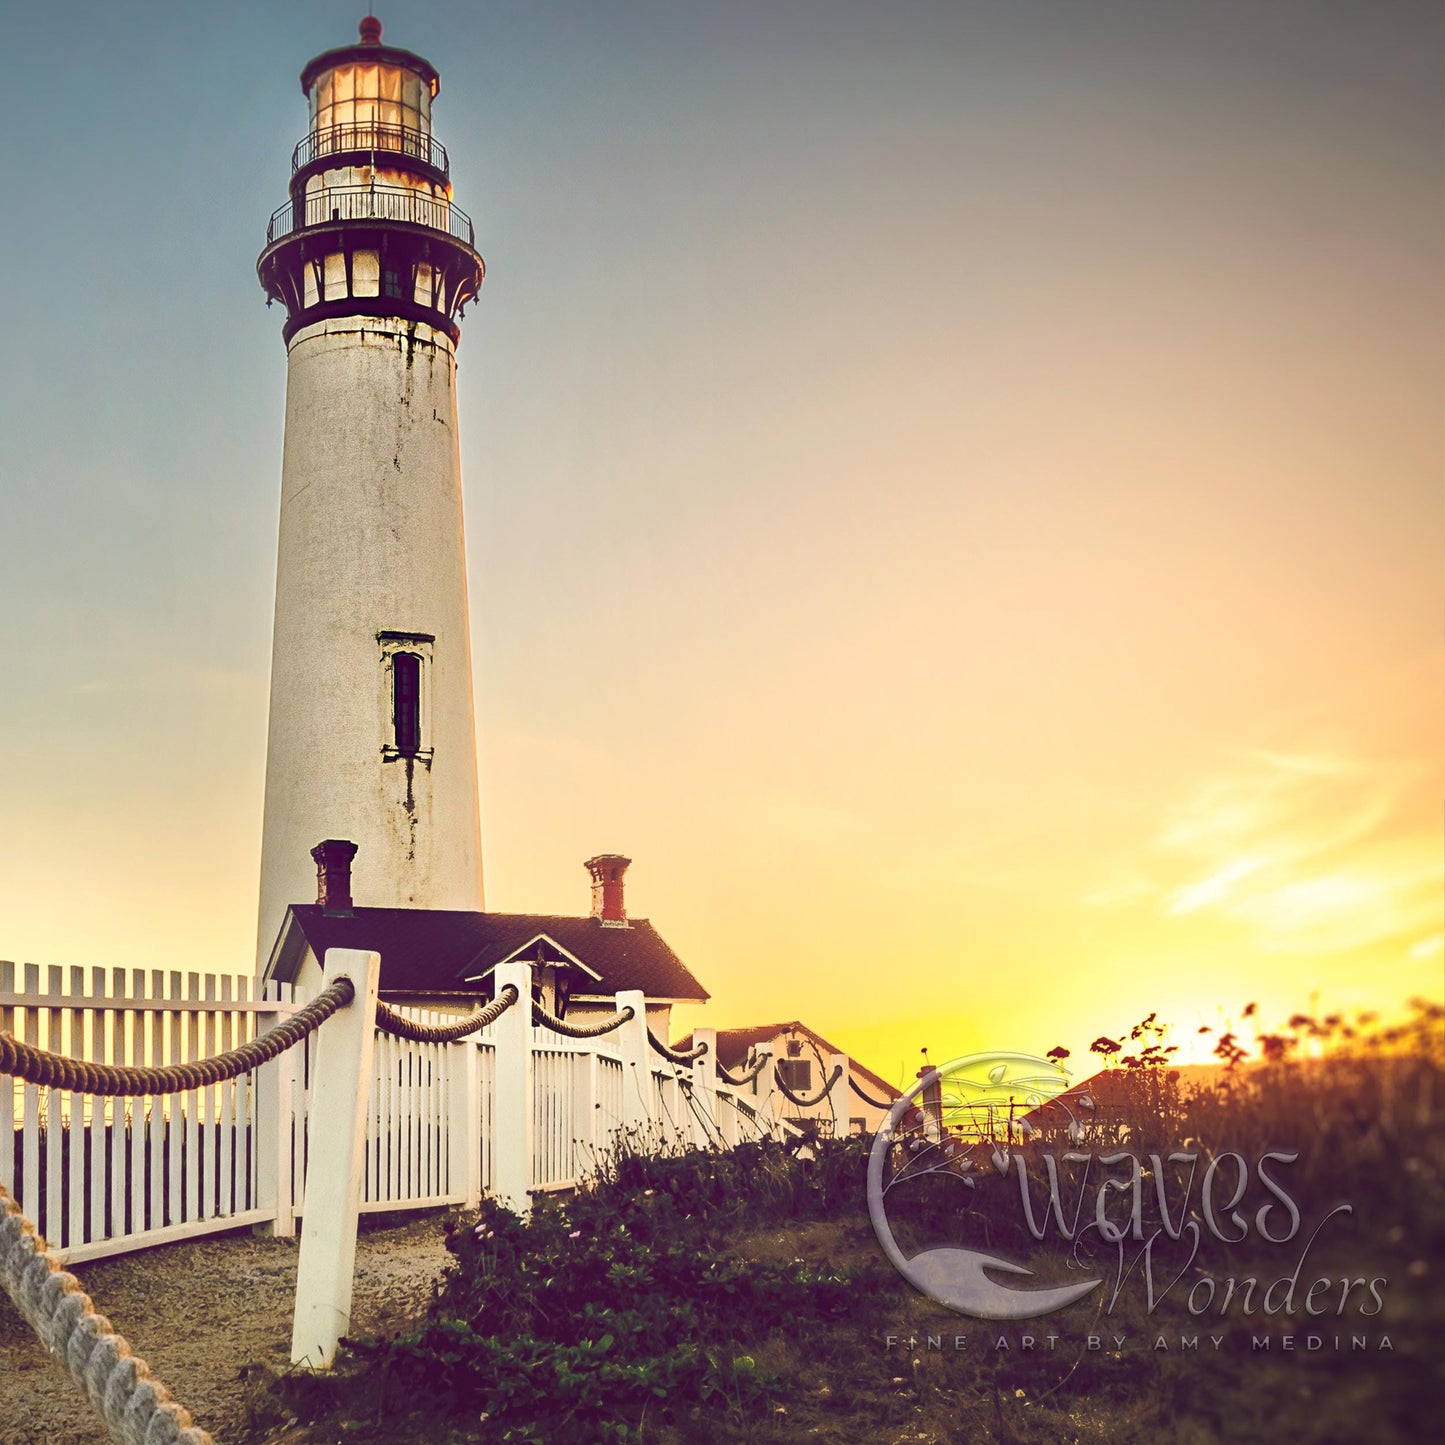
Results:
<point x="800" y="1057"/>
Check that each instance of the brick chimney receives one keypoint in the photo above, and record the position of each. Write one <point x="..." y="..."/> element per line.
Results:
<point x="607" y="870"/>
<point x="333" y="876"/>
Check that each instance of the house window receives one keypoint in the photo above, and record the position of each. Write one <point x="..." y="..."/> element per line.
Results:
<point x="404" y="695"/>
<point x="796" y="1074"/>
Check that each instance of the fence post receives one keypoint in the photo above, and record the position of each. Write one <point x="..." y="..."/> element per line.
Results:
<point x="464" y="1124"/>
<point x="636" y="1071"/>
<point x="512" y="1092"/>
<point x="274" y="1105"/>
<point x="340" y="1094"/>
<point x="704" y="1088"/>
<point x="838" y="1095"/>
<point x="763" y="1099"/>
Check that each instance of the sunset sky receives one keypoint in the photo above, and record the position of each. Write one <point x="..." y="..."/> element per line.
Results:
<point x="952" y="491"/>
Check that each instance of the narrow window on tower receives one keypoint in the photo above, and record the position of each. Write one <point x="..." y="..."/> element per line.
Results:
<point x="404" y="695"/>
<point x="406" y="702"/>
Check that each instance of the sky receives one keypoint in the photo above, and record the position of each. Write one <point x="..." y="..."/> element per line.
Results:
<point x="952" y="491"/>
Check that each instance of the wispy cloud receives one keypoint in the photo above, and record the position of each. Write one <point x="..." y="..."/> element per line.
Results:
<point x="1311" y="851"/>
<point x="1214" y="889"/>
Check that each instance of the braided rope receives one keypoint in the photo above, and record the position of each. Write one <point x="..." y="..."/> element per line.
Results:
<point x="389" y="1021"/>
<point x="853" y="1084"/>
<point x="38" y="1066"/>
<point x="676" y="1056"/>
<point x="581" y="1031"/>
<point x="817" y="1098"/>
<point x="747" y="1075"/>
<point x="138" y="1409"/>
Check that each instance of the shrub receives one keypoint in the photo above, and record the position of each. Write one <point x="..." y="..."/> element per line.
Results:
<point x="616" y="1303"/>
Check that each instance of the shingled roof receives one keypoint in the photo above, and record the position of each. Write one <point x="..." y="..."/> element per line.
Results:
<point x="431" y="950"/>
<point x="733" y="1046"/>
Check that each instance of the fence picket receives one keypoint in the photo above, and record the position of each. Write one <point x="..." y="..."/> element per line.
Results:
<point x="210" y="1152"/>
<point x="155" y="1026"/>
<point x="188" y="1104"/>
<point x="77" y="1140"/>
<point x="225" y="1118"/>
<point x="98" y="1132"/>
<point x="30" y="1145"/>
<point x="54" y="1214"/>
<point x="124" y="1143"/>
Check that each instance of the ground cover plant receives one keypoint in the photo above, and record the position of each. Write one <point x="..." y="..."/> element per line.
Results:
<point x="741" y="1296"/>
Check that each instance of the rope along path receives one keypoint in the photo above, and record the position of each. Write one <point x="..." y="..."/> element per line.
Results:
<point x="676" y="1056"/>
<point x="580" y="1031"/>
<point x="137" y="1408"/>
<point x="36" y="1066"/>
<point x="401" y="1027"/>
<point x="853" y="1084"/>
<point x="748" y="1074"/>
<point x="817" y="1098"/>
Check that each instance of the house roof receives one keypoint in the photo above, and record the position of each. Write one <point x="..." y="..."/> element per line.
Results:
<point x="1108" y="1091"/>
<point x="733" y="1046"/>
<point x="437" y="950"/>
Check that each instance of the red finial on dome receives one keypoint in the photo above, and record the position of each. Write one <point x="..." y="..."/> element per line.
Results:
<point x="371" y="31"/>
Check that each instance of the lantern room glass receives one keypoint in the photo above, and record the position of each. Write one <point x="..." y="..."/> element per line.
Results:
<point x="365" y="93"/>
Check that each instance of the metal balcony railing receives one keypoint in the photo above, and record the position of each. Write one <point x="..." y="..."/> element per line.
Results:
<point x="370" y="135"/>
<point x="374" y="203"/>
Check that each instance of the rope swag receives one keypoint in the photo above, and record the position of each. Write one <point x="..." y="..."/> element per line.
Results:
<point x="748" y="1074"/>
<point x="389" y="1021"/>
<point x="580" y="1031"/>
<point x="817" y="1098"/>
<point x="38" y="1066"/>
<point x="853" y="1084"/>
<point x="676" y="1056"/>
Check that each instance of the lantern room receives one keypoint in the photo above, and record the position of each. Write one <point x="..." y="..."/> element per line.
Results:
<point x="371" y="219"/>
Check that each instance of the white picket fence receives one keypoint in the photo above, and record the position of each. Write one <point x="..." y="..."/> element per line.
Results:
<point x="512" y="1110"/>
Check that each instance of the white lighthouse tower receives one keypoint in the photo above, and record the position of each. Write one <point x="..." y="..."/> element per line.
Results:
<point x="371" y="732"/>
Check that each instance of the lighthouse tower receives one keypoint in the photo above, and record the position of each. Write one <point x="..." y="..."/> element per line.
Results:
<point x="371" y="733"/>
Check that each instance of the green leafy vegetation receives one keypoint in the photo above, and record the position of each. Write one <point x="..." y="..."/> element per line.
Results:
<point x="741" y="1297"/>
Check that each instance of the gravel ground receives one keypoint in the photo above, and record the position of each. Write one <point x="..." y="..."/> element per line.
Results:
<point x="199" y="1313"/>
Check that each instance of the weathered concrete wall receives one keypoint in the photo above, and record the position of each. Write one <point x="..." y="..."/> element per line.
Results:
<point x="370" y="542"/>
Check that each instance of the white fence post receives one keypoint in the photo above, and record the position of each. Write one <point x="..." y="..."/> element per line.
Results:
<point x="275" y="1095"/>
<point x="339" y="1098"/>
<point x="636" y="1070"/>
<point x="704" y="1088"/>
<point x="464" y="1125"/>
<point x="763" y="1099"/>
<point x="838" y="1095"/>
<point x="512" y="1085"/>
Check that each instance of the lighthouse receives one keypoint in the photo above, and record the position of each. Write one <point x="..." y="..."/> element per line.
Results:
<point x="371" y="734"/>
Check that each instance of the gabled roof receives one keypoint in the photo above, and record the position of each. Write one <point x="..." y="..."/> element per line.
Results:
<point x="1109" y="1091"/>
<point x="733" y="1046"/>
<point x="436" y="950"/>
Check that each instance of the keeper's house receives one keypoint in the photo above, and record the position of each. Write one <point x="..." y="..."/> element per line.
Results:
<point x="444" y="959"/>
<point x="801" y="1058"/>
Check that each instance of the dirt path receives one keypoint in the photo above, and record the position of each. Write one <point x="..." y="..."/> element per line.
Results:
<point x="199" y="1313"/>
